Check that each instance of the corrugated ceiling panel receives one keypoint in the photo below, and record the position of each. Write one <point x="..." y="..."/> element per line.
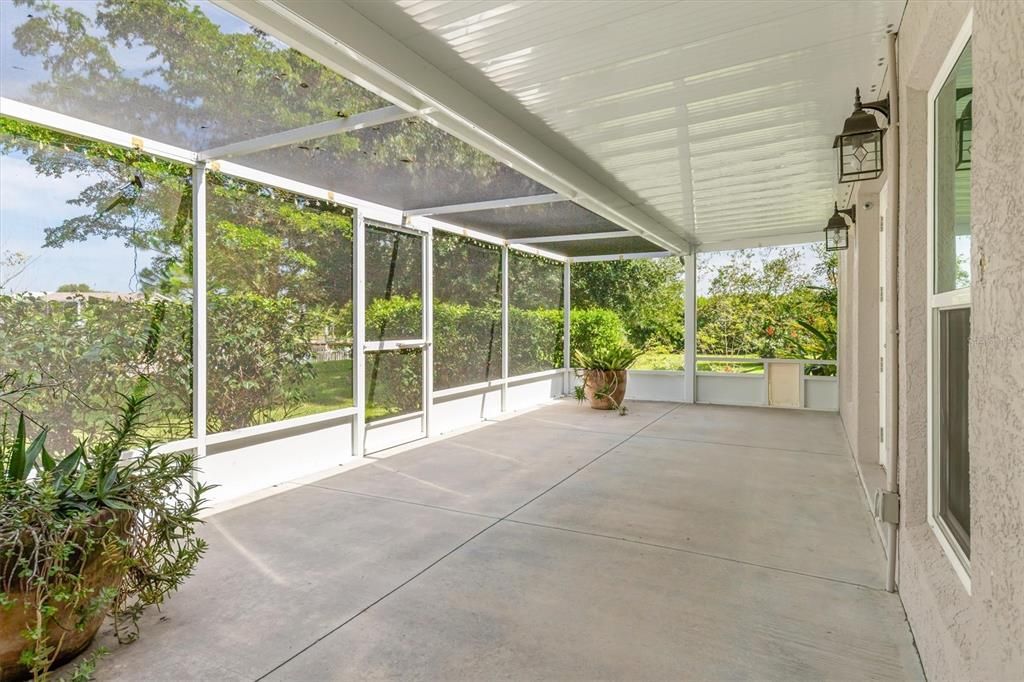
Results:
<point x="715" y="116"/>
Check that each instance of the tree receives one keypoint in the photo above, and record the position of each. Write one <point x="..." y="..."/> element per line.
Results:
<point x="202" y="86"/>
<point x="73" y="288"/>
<point x="764" y="304"/>
<point x="646" y="294"/>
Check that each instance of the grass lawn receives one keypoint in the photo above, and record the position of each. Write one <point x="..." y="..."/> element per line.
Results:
<point x="674" y="362"/>
<point x="660" y="361"/>
<point x="330" y="388"/>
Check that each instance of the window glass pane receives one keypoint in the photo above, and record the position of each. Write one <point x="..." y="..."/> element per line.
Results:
<point x="639" y="302"/>
<point x="467" y="311"/>
<point x="279" y="304"/>
<point x="953" y="107"/>
<point x="954" y="453"/>
<point x="394" y="285"/>
<point x="535" y="313"/>
<point x="185" y="73"/>
<point x="394" y="383"/>
<point x="95" y="283"/>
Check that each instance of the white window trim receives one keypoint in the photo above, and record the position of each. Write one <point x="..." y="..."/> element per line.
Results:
<point x="959" y="298"/>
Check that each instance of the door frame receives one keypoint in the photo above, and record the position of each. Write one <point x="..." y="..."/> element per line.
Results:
<point x="399" y="429"/>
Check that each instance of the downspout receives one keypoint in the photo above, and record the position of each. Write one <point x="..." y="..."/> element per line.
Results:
<point x="892" y="242"/>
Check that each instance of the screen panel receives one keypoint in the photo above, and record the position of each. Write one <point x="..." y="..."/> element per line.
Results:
<point x="467" y="311"/>
<point x="406" y="164"/>
<point x="634" y="302"/>
<point x="394" y="383"/>
<point x="95" y="284"/>
<point x="394" y="284"/>
<point x="279" y="304"/>
<point x="539" y="220"/>
<point x="535" y="313"/>
<point x="184" y="73"/>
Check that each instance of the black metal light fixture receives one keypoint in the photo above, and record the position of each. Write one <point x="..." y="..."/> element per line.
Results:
<point x="964" y="130"/>
<point x="837" y="232"/>
<point x="859" y="147"/>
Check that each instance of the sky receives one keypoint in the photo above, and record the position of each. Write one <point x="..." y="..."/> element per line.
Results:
<point x="710" y="262"/>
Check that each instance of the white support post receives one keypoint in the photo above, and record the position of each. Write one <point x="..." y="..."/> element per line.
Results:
<point x="199" y="307"/>
<point x="690" y="309"/>
<point x="504" y="329"/>
<point x="428" y="331"/>
<point x="359" y="332"/>
<point x="566" y="320"/>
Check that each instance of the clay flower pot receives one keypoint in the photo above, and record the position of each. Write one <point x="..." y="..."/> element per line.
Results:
<point x="604" y="389"/>
<point x="99" y="570"/>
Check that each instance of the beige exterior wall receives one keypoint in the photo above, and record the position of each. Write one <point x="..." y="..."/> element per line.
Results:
<point x="978" y="633"/>
<point x="858" y="335"/>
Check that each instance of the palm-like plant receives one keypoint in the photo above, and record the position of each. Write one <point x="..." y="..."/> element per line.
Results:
<point x="825" y="335"/>
<point x="608" y="358"/>
<point x="603" y="371"/>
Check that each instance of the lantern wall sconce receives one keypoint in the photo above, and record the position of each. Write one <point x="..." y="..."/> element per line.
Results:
<point x="837" y="232"/>
<point x="859" y="147"/>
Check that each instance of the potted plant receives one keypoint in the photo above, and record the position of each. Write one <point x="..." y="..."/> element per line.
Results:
<point x="604" y="375"/>
<point x="105" y="530"/>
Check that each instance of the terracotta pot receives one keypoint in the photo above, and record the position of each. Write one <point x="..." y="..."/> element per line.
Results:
<point x="98" y="572"/>
<point x="610" y="384"/>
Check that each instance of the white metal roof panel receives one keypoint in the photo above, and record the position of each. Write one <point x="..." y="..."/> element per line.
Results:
<point x="715" y="118"/>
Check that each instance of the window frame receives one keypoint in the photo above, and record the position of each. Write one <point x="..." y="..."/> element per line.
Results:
<point x="936" y="303"/>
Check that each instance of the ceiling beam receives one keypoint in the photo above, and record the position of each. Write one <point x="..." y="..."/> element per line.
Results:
<point x="758" y="242"/>
<point x="367" y="119"/>
<point x="621" y="256"/>
<point x="572" y="237"/>
<point x="512" y="202"/>
<point x="336" y="35"/>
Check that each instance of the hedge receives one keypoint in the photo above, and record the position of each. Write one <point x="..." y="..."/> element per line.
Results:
<point x="467" y="342"/>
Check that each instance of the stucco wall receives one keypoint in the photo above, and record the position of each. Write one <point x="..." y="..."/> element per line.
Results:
<point x="960" y="634"/>
<point x="858" y="332"/>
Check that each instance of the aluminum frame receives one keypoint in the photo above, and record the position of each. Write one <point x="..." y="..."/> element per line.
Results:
<point x="284" y="138"/>
<point x="363" y="211"/>
<point x="337" y="36"/>
<point x="528" y="200"/>
<point x="547" y="239"/>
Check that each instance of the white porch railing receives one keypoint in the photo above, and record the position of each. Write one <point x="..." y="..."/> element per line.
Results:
<point x="767" y="382"/>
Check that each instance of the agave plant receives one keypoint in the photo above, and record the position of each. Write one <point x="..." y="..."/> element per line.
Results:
<point x="602" y="371"/>
<point x="608" y="358"/>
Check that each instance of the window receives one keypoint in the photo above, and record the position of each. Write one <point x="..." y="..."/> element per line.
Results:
<point x="95" y="284"/>
<point x="279" y="305"/>
<point x="949" y="320"/>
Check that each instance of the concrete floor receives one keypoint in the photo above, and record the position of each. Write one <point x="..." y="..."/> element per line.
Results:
<point x="682" y="542"/>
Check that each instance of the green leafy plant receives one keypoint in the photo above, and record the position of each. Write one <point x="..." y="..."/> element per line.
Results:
<point x="603" y="371"/>
<point x="106" y="529"/>
<point x="820" y="340"/>
<point x="609" y="358"/>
